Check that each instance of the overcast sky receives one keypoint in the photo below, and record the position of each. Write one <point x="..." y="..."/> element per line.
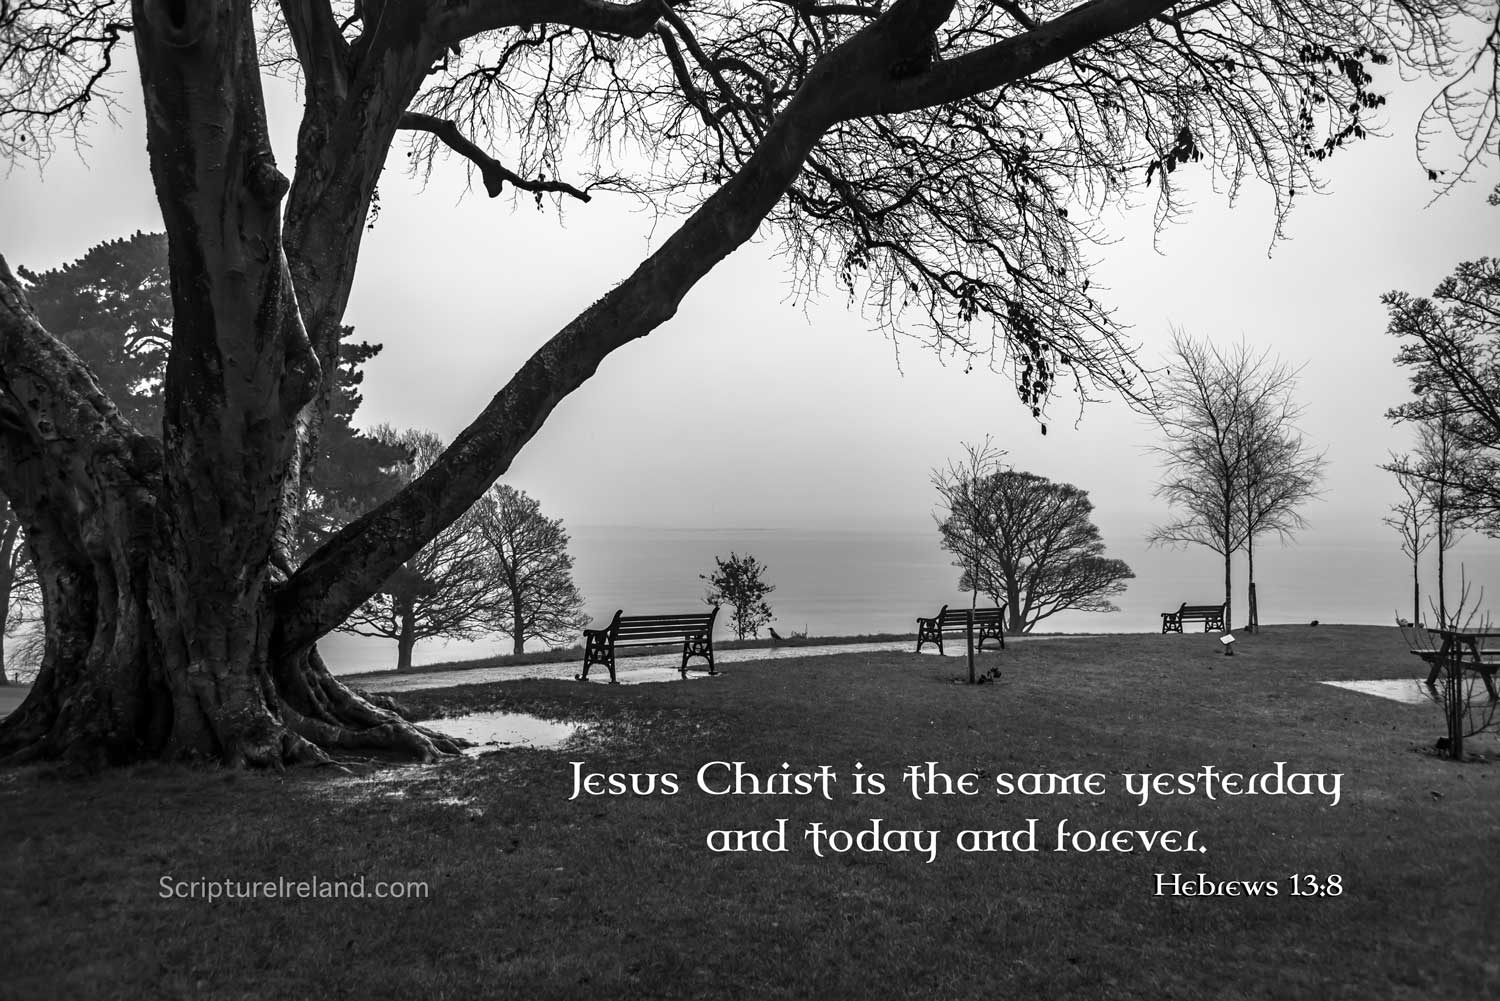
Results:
<point x="747" y="410"/>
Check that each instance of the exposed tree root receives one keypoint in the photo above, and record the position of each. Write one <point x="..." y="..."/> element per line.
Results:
<point x="306" y="716"/>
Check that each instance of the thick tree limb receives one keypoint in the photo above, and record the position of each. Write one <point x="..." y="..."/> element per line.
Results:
<point x="494" y="173"/>
<point x="322" y="51"/>
<point x="455" y="22"/>
<point x="1012" y="59"/>
<point x="58" y="402"/>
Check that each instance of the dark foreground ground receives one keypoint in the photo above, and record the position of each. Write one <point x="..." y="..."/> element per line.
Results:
<point x="530" y="895"/>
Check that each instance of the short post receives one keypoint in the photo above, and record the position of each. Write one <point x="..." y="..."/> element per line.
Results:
<point x="969" y="634"/>
<point x="1453" y="698"/>
<point x="1228" y="640"/>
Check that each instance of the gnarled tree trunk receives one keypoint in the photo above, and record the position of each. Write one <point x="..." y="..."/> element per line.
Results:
<point x="157" y="559"/>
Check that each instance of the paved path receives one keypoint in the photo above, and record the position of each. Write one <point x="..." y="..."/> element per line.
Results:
<point x="629" y="670"/>
<point x="634" y="670"/>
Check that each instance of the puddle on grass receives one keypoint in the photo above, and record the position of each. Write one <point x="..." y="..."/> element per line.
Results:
<point x="632" y="671"/>
<point x="1412" y="691"/>
<point x="492" y="730"/>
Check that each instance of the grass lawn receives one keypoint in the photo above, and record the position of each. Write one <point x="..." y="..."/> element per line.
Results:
<point x="535" y="897"/>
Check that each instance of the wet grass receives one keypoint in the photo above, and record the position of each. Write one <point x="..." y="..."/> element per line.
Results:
<point x="534" y="896"/>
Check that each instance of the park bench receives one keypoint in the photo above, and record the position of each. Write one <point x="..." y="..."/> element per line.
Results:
<point x="988" y="624"/>
<point x="1212" y="617"/>
<point x="695" y="631"/>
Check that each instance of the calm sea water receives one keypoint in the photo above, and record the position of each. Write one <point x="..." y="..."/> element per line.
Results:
<point x="852" y="583"/>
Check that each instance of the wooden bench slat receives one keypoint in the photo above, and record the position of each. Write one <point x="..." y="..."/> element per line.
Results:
<point x="627" y="625"/>
<point x="655" y="635"/>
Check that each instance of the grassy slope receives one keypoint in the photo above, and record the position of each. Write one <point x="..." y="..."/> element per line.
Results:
<point x="536" y="897"/>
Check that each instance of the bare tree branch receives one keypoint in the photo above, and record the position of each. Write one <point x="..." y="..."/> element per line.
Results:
<point x="494" y="173"/>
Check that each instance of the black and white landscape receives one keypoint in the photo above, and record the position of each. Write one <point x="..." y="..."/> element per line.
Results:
<point x="369" y="365"/>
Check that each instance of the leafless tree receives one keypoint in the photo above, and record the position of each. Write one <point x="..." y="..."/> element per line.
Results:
<point x="532" y="594"/>
<point x="963" y="520"/>
<point x="1468" y="709"/>
<point x="1438" y="462"/>
<point x="1234" y="462"/>
<point x="19" y="599"/>
<point x="1032" y="547"/>
<point x="1281" y="474"/>
<point x="445" y="589"/>
<point x="948" y="160"/>
<point x="1411" y="517"/>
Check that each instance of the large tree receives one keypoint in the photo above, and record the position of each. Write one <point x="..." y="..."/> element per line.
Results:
<point x="947" y="157"/>
<point x="532" y="594"/>
<point x="1031" y="545"/>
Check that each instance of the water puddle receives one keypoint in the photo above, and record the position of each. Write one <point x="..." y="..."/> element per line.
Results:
<point x="1409" y="690"/>
<point x="493" y="730"/>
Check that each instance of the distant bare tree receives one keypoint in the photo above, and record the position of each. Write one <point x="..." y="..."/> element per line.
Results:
<point x="1439" y="463"/>
<point x="965" y="510"/>
<point x="533" y="594"/>
<point x="1234" y="463"/>
<point x="1029" y="544"/>
<point x="443" y="590"/>
<point x="1281" y="472"/>
<point x="19" y="595"/>
<point x="1410" y="517"/>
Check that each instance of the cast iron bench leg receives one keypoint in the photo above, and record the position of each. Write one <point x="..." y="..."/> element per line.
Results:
<point x="597" y="649"/>
<point x="698" y="646"/>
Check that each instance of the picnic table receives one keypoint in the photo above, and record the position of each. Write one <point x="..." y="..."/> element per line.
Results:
<point x="1464" y="649"/>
